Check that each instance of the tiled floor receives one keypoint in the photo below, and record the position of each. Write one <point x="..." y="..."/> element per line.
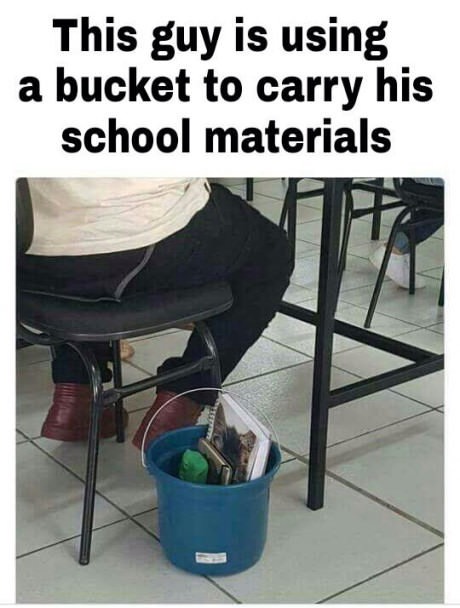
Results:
<point x="379" y="537"/>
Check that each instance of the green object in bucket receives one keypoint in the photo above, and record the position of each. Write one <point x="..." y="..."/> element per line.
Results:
<point x="193" y="467"/>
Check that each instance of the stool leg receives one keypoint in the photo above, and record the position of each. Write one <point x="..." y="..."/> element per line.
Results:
<point x="412" y="249"/>
<point x="383" y="267"/>
<point x="118" y="383"/>
<point x="208" y="341"/>
<point x="249" y="188"/>
<point x="441" y="292"/>
<point x="97" y="406"/>
<point x="290" y="202"/>
<point x="377" y="215"/>
<point x="348" y="216"/>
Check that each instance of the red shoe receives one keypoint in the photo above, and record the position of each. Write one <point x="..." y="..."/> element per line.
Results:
<point x="181" y="412"/>
<point x="68" y="418"/>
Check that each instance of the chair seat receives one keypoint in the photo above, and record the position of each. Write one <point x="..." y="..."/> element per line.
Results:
<point x="134" y="316"/>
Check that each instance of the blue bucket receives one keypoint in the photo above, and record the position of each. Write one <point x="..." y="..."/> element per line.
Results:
<point x="208" y="529"/>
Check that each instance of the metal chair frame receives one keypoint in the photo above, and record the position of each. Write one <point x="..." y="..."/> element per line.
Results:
<point x="113" y="397"/>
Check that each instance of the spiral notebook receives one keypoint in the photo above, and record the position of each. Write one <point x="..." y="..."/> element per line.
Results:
<point x="240" y="437"/>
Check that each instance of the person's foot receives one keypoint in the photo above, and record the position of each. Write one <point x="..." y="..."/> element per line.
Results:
<point x="398" y="269"/>
<point x="181" y="412"/>
<point x="126" y="350"/>
<point x="69" y="416"/>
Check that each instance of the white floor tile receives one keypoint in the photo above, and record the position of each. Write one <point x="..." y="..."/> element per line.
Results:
<point x="32" y="354"/>
<point x="49" y="501"/>
<point x="312" y="554"/>
<point x="434" y="273"/>
<point x="296" y="293"/>
<point x="429" y="389"/>
<point x="272" y="209"/>
<point x="420" y="581"/>
<point x="301" y="336"/>
<point x="229" y="181"/>
<point x="121" y="477"/>
<point x="359" y="273"/>
<point x="420" y="308"/>
<point x="285" y="398"/>
<point x="426" y="339"/>
<point x="402" y="465"/>
<point x="151" y="352"/>
<point x="265" y="356"/>
<point x="276" y="188"/>
<point x="20" y="437"/>
<point x="366" y="362"/>
<point x="127" y="566"/>
<point x="439" y="328"/>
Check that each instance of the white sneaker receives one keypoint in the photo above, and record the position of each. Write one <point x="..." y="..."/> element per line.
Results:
<point x="398" y="269"/>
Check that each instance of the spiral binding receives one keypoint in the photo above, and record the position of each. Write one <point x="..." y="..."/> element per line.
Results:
<point x="211" y="415"/>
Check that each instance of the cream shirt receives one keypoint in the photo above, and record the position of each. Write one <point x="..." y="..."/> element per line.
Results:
<point x="81" y="216"/>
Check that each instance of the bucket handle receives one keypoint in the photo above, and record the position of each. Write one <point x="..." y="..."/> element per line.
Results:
<point x="196" y="390"/>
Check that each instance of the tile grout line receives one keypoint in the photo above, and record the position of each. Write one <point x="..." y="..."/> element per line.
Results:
<point x="378" y="429"/>
<point x="126" y="514"/>
<point x="391" y="389"/>
<point x="373" y="497"/>
<point x="376" y="575"/>
<point x="65" y="540"/>
<point x="204" y="577"/>
<point x="127" y="517"/>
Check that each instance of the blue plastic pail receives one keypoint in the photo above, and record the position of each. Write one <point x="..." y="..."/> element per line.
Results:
<point x="208" y="529"/>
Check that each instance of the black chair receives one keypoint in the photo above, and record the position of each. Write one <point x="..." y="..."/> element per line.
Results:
<point x="49" y="320"/>
<point x="412" y="202"/>
<point x="374" y="186"/>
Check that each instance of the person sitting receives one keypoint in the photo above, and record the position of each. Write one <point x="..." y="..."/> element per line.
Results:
<point x="398" y="269"/>
<point x="114" y="238"/>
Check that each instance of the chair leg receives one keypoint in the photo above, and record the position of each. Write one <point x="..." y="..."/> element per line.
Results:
<point x="97" y="406"/>
<point x="118" y="383"/>
<point x="377" y="215"/>
<point x="383" y="267"/>
<point x="412" y="250"/>
<point x="441" y="292"/>
<point x="249" y="188"/>
<point x="348" y="216"/>
<point x="289" y="212"/>
<point x="208" y="341"/>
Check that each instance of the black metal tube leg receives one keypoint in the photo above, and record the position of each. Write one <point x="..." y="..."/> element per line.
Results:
<point x="210" y="345"/>
<point x="327" y="293"/>
<point x="383" y="267"/>
<point x="249" y="188"/>
<point x="291" y="206"/>
<point x="412" y="250"/>
<point x="441" y="292"/>
<point x="118" y="383"/>
<point x="377" y="215"/>
<point x="93" y="449"/>
<point x="345" y="237"/>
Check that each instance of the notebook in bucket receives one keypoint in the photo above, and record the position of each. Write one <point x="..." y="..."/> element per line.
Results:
<point x="209" y="528"/>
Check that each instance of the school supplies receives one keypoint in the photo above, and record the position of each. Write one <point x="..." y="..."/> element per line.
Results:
<point x="242" y="440"/>
<point x="220" y="472"/>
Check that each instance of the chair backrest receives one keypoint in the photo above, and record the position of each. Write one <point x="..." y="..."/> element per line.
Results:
<point x="24" y="216"/>
<point x="427" y="196"/>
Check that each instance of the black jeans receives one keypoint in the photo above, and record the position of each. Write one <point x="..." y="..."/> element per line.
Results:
<point x="227" y="239"/>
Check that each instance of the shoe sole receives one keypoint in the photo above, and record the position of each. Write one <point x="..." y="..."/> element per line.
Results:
<point x="58" y="433"/>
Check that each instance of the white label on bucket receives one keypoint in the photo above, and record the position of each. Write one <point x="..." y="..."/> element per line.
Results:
<point x="211" y="558"/>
